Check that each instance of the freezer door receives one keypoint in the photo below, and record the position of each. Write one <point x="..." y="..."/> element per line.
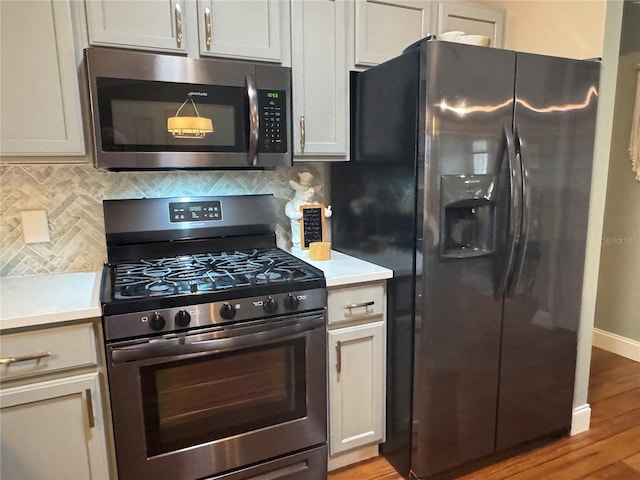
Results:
<point x="554" y="128"/>
<point x="467" y="101"/>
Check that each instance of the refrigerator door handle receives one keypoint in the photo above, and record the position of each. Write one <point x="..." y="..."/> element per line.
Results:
<point x="515" y="211"/>
<point x="524" y="221"/>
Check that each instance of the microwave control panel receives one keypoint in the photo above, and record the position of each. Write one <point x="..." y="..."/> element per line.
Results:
<point x="273" y="121"/>
<point x="195" y="211"/>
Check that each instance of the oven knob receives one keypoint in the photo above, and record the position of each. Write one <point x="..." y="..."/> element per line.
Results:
<point x="182" y="318"/>
<point x="291" y="302"/>
<point x="227" y="311"/>
<point x="156" y="322"/>
<point x="270" y="305"/>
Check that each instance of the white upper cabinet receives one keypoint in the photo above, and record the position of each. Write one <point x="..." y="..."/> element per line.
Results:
<point x="241" y="29"/>
<point x="152" y="25"/>
<point x="320" y="78"/>
<point x="383" y="29"/>
<point x="40" y="97"/>
<point x="473" y="19"/>
<point x="247" y="29"/>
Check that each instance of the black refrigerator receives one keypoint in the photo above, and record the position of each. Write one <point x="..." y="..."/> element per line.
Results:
<point x="470" y="179"/>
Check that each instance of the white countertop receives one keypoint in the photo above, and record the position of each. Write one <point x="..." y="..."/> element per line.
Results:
<point x="37" y="300"/>
<point x="45" y="299"/>
<point x="344" y="269"/>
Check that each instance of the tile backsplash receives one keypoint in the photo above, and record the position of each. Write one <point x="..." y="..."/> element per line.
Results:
<point x="73" y="194"/>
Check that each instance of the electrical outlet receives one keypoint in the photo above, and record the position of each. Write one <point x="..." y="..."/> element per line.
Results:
<point x="35" y="226"/>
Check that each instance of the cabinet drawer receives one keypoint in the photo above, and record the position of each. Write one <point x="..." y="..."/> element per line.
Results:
<point x="48" y="350"/>
<point x="356" y="302"/>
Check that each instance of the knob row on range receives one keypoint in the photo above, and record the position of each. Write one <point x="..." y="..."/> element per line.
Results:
<point x="157" y="321"/>
<point x="270" y="305"/>
<point x="227" y="311"/>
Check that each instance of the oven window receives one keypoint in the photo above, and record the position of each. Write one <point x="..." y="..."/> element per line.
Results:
<point x="134" y="114"/>
<point x="199" y="400"/>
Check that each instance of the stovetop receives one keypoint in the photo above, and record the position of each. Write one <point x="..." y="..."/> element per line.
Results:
<point x="192" y="274"/>
<point x="181" y="264"/>
<point x="204" y="277"/>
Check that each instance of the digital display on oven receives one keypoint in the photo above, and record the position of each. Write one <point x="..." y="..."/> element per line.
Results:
<point x="195" y="211"/>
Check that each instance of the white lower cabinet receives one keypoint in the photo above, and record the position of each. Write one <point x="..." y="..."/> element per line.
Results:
<point x="357" y="365"/>
<point x="355" y="360"/>
<point x="54" y="429"/>
<point x="53" y="424"/>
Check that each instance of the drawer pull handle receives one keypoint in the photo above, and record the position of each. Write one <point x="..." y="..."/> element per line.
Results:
<point x="25" y="358"/>
<point x="358" y="305"/>
<point x="339" y="356"/>
<point x="92" y="420"/>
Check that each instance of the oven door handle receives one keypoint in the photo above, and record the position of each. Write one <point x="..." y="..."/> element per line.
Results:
<point x="169" y="348"/>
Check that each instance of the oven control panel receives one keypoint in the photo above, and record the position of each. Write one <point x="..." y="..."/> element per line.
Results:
<point x="195" y="211"/>
<point x="172" y="320"/>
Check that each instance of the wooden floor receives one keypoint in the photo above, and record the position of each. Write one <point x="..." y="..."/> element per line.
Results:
<point x="610" y="450"/>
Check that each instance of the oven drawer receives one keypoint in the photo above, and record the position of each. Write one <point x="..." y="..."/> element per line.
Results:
<point x="351" y="303"/>
<point x="48" y="350"/>
<point x="307" y="465"/>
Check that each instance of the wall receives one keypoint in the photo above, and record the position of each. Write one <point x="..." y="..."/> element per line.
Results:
<point x="618" y="308"/>
<point x="562" y="28"/>
<point x="73" y="194"/>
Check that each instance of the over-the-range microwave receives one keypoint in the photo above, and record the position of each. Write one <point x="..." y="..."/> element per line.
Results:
<point x="157" y="112"/>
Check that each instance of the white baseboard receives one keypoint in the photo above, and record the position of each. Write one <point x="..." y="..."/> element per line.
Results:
<point x="625" y="347"/>
<point x="580" y="419"/>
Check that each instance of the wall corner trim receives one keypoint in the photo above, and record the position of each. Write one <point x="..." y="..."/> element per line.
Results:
<point x="623" y="346"/>
<point x="580" y="419"/>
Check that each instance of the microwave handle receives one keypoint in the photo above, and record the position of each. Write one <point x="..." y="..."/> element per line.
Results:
<point x="254" y="121"/>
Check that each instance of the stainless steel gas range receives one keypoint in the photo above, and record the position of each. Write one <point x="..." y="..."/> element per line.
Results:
<point x="215" y="342"/>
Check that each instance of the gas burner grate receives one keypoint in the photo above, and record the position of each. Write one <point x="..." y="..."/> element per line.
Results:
<point x="203" y="273"/>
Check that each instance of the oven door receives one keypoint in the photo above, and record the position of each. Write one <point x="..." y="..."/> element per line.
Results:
<point x="201" y="404"/>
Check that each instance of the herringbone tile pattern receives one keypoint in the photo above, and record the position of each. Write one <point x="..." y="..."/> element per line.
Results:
<point x="73" y="194"/>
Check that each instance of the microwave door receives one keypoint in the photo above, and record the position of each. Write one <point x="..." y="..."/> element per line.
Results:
<point x="137" y="117"/>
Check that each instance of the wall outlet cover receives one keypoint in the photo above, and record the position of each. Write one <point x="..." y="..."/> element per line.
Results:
<point x="35" y="226"/>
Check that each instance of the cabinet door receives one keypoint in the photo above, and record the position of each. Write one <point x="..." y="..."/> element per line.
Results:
<point x="385" y="28"/>
<point x="356" y="386"/>
<point x="320" y="78"/>
<point x="40" y="97"/>
<point x="472" y="19"/>
<point x="145" y="24"/>
<point x="249" y="29"/>
<point x="54" y="429"/>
